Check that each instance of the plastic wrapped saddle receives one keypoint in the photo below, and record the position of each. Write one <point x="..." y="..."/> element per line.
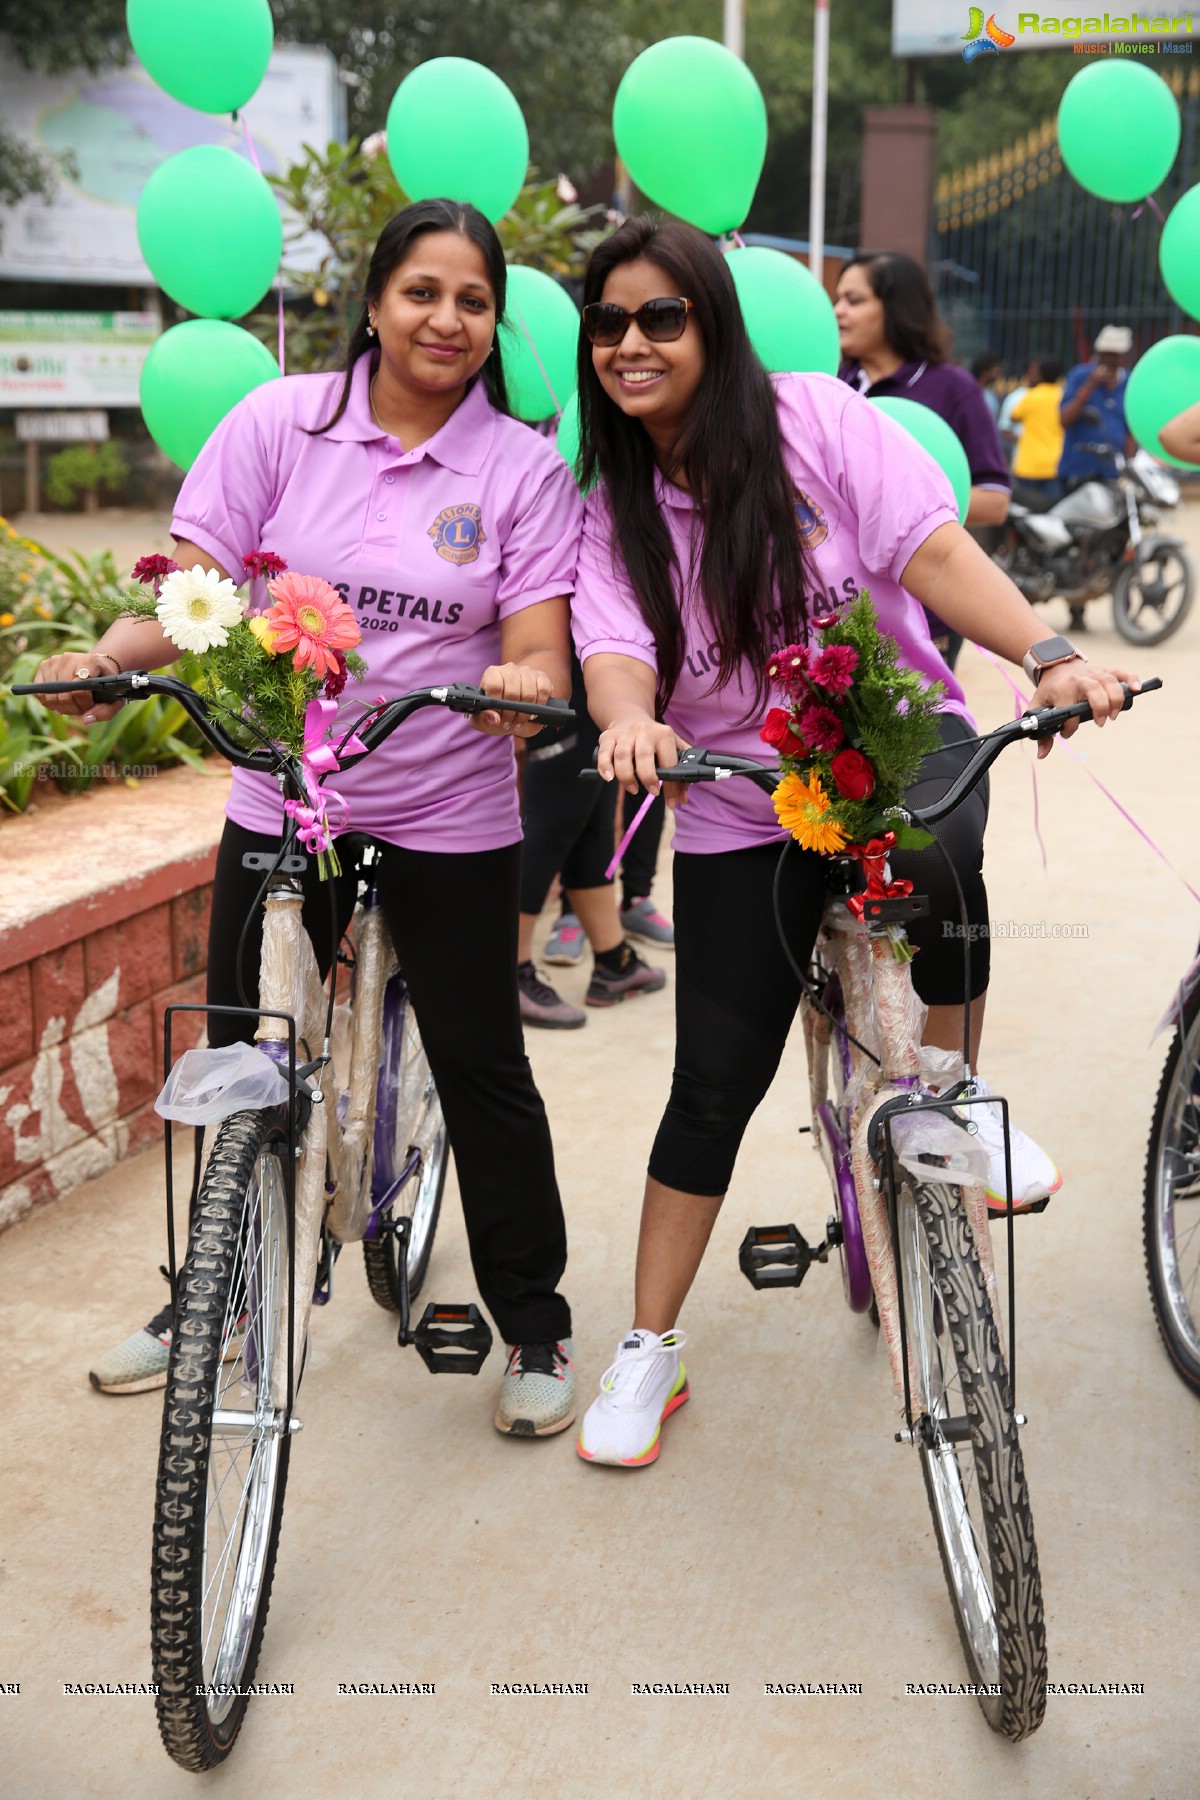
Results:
<point x="213" y="1084"/>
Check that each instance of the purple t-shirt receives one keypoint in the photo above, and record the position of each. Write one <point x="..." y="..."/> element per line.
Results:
<point x="956" y="396"/>
<point x="867" y="497"/>
<point x="431" y="547"/>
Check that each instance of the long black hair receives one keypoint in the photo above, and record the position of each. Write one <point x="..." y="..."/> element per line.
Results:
<point x="393" y="247"/>
<point x="727" y="450"/>
<point x="911" y="322"/>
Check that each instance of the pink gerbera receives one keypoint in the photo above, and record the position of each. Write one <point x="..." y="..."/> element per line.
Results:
<point x="834" y="668"/>
<point x="820" y="727"/>
<point x="311" y="618"/>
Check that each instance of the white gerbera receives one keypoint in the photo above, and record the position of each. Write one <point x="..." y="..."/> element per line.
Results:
<point x="196" y="607"/>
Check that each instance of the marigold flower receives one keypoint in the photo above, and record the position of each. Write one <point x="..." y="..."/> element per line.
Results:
<point x="196" y="608"/>
<point x="311" y="618"/>
<point x="802" y="808"/>
<point x="7" y="618"/>
<point x="820" y="727"/>
<point x="834" y="668"/>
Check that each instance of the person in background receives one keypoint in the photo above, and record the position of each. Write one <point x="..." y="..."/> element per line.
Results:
<point x="988" y="369"/>
<point x="568" y="826"/>
<point x="893" y="342"/>
<point x="1035" y="464"/>
<point x="1092" y="411"/>
<point x="640" y="917"/>
<point x="1180" y="436"/>
<point x="1010" y="431"/>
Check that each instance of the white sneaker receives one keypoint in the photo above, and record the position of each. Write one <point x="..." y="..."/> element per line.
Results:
<point x="1034" y="1176"/>
<point x="644" y="1386"/>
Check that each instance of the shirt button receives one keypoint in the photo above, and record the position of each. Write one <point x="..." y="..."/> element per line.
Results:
<point x="381" y="515"/>
<point x="389" y="479"/>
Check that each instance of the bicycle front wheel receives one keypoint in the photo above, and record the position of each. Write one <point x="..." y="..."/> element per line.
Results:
<point x="409" y="1128"/>
<point x="1171" y="1218"/>
<point x="223" y="1460"/>
<point x="971" y="1460"/>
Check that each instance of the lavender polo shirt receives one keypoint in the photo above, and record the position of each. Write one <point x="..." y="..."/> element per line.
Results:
<point x="432" y="547"/>
<point x="956" y="396"/>
<point x="867" y="497"/>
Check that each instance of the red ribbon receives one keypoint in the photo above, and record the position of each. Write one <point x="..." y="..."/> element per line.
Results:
<point x="873" y="856"/>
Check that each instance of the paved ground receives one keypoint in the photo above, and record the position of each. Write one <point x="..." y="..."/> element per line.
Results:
<point x="781" y="1537"/>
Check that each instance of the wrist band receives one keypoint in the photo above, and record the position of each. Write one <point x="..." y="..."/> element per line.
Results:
<point x="109" y="657"/>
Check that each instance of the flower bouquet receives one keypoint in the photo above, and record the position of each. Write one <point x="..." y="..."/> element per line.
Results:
<point x="275" y="676"/>
<point x="851" y="736"/>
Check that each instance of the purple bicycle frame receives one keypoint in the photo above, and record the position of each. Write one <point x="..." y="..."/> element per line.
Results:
<point x="856" y="1273"/>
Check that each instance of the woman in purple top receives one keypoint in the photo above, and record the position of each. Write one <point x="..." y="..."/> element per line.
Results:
<point x="452" y="530"/>
<point x="730" y="507"/>
<point x="893" y="342"/>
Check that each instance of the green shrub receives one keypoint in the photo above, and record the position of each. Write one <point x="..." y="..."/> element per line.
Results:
<point x="82" y="470"/>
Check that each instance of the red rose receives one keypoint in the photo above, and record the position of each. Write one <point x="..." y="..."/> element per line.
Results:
<point x="777" y="731"/>
<point x="853" y="775"/>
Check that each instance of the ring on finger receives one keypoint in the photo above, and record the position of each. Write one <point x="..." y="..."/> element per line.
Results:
<point x="82" y="674"/>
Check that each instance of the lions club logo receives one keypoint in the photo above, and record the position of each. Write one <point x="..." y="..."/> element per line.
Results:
<point x="457" y="533"/>
<point x="811" y="520"/>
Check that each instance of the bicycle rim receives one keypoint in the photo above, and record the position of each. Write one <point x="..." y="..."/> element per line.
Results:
<point x="971" y="1461"/>
<point x="1172" y="1205"/>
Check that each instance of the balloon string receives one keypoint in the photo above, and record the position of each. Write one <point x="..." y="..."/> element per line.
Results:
<point x="537" y="359"/>
<point x="253" y="153"/>
<point x="625" y="842"/>
<point x="1151" y="202"/>
<point x="737" y="238"/>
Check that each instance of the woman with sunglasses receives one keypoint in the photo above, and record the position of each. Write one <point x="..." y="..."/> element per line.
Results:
<point x="727" y="510"/>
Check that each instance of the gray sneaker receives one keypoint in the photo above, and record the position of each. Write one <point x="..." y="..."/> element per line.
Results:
<point x="540" y="1005"/>
<point x="641" y="918"/>
<point x="564" y="946"/>
<point x="139" y="1363"/>
<point x="537" y="1395"/>
<point x="636" y="977"/>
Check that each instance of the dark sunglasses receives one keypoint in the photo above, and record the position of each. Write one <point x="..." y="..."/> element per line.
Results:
<point x="659" y="321"/>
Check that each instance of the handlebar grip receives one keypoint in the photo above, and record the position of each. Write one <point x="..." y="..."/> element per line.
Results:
<point x="1051" y="719"/>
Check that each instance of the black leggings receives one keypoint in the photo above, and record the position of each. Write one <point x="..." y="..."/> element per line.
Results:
<point x="736" y="996"/>
<point x="453" y="920"/>
<point x="568" y="822"/>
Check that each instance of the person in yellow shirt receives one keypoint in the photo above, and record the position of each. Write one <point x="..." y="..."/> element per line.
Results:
<point x="1035" y="461"/>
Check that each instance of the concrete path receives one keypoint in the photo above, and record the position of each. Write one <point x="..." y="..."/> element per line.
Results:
<point x="782" y="1537"/>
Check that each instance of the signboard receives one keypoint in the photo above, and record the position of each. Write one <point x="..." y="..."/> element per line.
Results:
<point x="62" y="427"/>
<point x="119" y="126"/>
<point x="946" y="28"/>
<point x="61" y="359"/>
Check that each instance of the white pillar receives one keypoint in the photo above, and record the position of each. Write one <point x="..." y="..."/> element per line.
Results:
<point x="820" y="113"/>
<point x="735" y="27"/>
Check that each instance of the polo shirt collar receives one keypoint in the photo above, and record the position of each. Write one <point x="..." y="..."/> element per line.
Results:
<point x="906" y="376"/>
<point x="462" y="444"/>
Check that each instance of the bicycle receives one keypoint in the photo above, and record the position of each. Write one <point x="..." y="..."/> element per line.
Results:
<point x="910" y="1227"/>
<point x="287" y="1183"/>
<point x="1171" y="1210"/>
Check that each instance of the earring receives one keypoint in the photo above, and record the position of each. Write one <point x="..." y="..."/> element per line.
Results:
<point x="370" y="331"/>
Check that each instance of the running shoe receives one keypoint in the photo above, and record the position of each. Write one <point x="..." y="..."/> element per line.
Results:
<point x="564" y="946"/>
<point x="641" y="918"/>
<point x="540" y="1005"/>
<point x="608" y="988"/>
<point x="537" y="1395"/>
<point x="140" y="1362"/>
<point x="1034" y="1176"/>
<point x="644" y="1386"/>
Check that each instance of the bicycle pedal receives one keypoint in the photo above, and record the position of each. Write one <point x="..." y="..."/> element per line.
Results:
<point x="452" y="1340"/>
<point x="777" y="1256"/>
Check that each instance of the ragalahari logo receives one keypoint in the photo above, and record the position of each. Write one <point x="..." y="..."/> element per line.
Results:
<point x="985" y="40"/>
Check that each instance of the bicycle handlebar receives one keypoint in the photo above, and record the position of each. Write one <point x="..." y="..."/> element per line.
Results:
<point x="697" y="764"/>
<point x="136" y="684"/>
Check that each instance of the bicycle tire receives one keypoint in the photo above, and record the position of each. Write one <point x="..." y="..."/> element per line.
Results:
<point x="976" y="1488"/>
<point x="1172" y="1255"/>
<point x="852" y="1260"/>
<point x="207" y="1628"/>
<point x="400" y="1127"/>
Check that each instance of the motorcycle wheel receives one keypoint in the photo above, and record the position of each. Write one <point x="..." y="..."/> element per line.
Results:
<point x="1153" y="594"/>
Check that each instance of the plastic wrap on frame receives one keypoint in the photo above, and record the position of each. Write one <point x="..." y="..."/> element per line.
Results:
<point x="375" y="963"/>
<point x="288" y="979"/>
<point x="898" y="1013"/>
<point x="310" y="1210"/>
<point x="877" y="1240"/>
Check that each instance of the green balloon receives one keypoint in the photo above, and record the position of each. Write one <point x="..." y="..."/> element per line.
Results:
<point x="210" y="231"/>
<point x="941" y="440"/>
<point x="788" y="313"/>
<point x="539" y="341"/>
<point x="192" y="377"/>
<point x="1118" y="129"/>
<point x="1162" y="383"/>
<point x="691" y="127"/>
<point x="455" y="131"/>
<point x="1179" y="252"/>
<point x="211" y="54"/>
<point x="567" y="435"/>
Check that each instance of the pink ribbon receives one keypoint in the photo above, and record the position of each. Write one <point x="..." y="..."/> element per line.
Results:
<point x="625" y="842"/>
<point x="1020" y="703"/>
<point x="318" y="758"/>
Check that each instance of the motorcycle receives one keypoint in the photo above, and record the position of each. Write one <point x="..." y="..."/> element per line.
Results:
<point x="1095" y="541"/>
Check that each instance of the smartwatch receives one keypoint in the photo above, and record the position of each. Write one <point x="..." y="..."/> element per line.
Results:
<point x="1047" y="655"/>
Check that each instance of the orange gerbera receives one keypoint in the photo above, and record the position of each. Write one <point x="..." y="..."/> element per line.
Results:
<point x="311" y="618"/>
<point x="802" y="807"/>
